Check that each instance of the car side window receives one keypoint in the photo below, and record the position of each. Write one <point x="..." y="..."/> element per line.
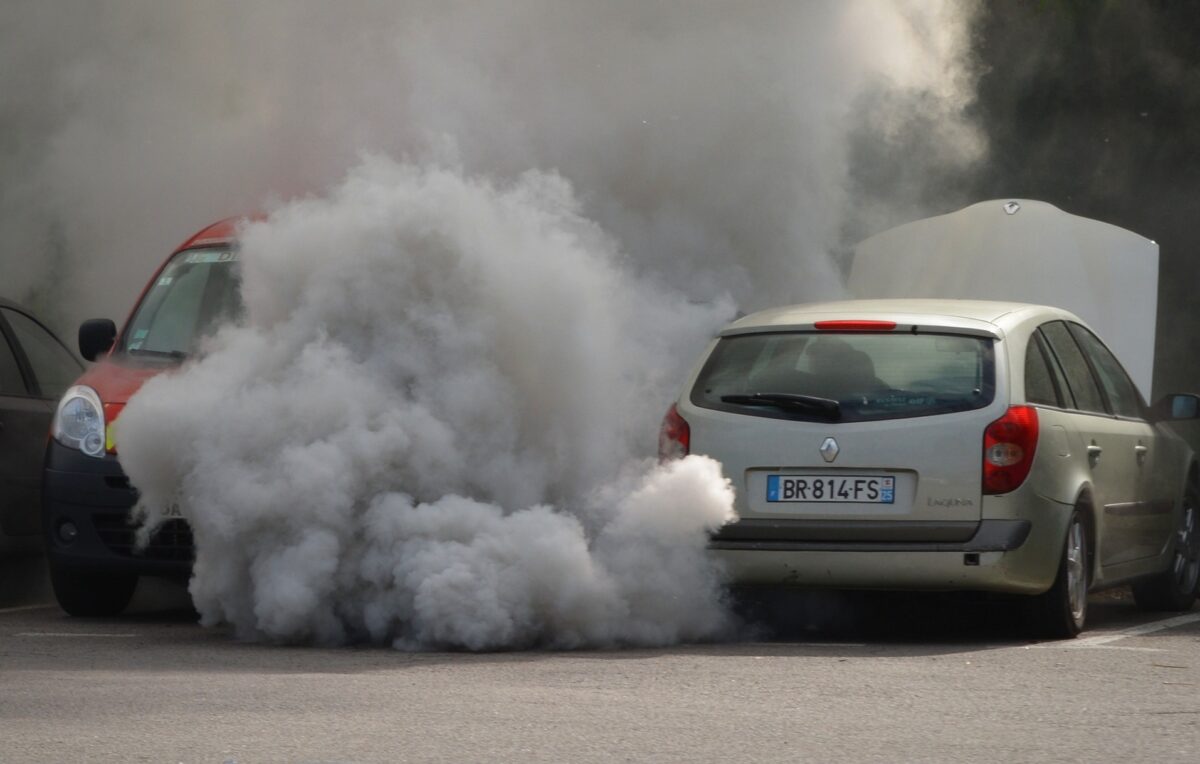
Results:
<point x="1122" y="394"/>
<point x="1039" y="384"/>
<point x="53" y="365"/>
<point x="1060" y="379"/>
<point x="1075" y="367"/>
<point x="11" y="381"/>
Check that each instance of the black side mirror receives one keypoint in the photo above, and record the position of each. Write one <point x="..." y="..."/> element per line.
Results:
<point x="1177" y="406"/>
<point x="96" y="336"/>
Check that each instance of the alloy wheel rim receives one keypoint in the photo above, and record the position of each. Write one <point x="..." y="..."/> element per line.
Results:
<point x="1187" y="550"/>
<point x="1076" y="572"/>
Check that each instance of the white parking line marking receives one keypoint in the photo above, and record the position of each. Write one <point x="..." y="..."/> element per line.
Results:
<point x="1116" y="647"/>
<point x="70" y="634"/>
<point x="1100" y="640"/>
<point x="23" y="608"/>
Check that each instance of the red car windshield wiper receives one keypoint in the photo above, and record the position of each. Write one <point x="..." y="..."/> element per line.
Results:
<point x="808" y="404"/>
<point x="178" y="355"/>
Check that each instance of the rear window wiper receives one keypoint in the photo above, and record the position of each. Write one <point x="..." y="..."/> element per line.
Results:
<point x="808" y="404"/>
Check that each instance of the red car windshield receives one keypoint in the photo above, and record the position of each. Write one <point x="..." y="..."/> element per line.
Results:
<point x="195" y="293"/>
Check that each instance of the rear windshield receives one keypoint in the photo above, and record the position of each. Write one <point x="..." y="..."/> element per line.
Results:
<point x="847" y="377"/>
<point x="196" y="292"/>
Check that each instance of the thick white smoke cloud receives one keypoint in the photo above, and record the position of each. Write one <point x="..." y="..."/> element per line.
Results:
<point x="420" y="433"/>
<point x="424" y="431"/>
<point x="708" y="137"/>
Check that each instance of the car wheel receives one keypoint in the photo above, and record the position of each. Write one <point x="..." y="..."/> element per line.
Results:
<point x="1060" y="613"/>
<point x="1175" y="588"/>
<point x="89" y="594"/>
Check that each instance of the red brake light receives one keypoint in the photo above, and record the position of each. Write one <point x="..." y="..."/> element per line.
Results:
<point x="1009" y="444"/>
<point x="675" y="436"/>
<point x="855" y="326"/>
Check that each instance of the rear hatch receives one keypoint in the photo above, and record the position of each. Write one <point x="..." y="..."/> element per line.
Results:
<point x="849" y="431"/>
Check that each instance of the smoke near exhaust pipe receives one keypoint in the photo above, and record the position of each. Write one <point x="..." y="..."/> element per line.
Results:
<point x="423" y="431"/>
<point x="430" y="427"/>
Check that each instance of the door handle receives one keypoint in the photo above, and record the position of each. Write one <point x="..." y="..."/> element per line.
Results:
<point x="1140" y="451"/>
<point x="1093" y="452"/>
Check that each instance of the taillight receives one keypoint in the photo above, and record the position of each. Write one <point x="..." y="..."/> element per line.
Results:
<point x="674" y="437"/>
<point x="1008" y="447"/>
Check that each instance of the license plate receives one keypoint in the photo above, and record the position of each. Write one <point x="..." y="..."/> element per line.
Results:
<point x="832" y="489"/>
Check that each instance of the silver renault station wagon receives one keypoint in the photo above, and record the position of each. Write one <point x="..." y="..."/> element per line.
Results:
<point x="943" y="444"/>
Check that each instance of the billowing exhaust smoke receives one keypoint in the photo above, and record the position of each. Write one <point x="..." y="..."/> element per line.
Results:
<point x="427" y="428"/>
<point x="422" y="432"/>
<point x="712" y="140"/>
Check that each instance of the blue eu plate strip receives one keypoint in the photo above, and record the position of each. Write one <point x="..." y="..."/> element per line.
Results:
<point x="772" y="488"/>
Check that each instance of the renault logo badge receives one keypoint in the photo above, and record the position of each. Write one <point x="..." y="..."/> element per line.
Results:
<point x="1012" y="207"/>
<point x="829" y="449"/>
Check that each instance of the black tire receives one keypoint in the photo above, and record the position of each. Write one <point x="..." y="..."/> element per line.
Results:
<point x="89" y="594"/>
<point x="1061" y="612"/>
<point x="1176" y="587"/>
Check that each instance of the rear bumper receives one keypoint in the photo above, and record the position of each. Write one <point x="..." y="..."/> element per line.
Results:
<point x="867" y="536"/>
<point x="95" y="497"/>
<point x="1015" y="549"/>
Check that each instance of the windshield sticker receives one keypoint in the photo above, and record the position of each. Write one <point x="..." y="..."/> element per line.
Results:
<point x="165" y="281"/>
<point x="140" y="334"/>
<point x="135" y="346"/>
<point x="206" y="256"/>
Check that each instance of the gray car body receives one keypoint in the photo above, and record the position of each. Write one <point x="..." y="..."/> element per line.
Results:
<point x="1130" y="496"/>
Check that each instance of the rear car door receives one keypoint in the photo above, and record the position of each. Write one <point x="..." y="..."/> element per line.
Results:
<point x="1109" y="443"/>
<point x="35" y="369"/>
<point x="1148" y="515"/>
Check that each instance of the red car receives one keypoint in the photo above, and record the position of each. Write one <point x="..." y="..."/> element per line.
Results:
<point x="86" y="497"/>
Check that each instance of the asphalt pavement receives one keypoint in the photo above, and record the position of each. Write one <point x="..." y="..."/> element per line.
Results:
<point x="845" y="678"/>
